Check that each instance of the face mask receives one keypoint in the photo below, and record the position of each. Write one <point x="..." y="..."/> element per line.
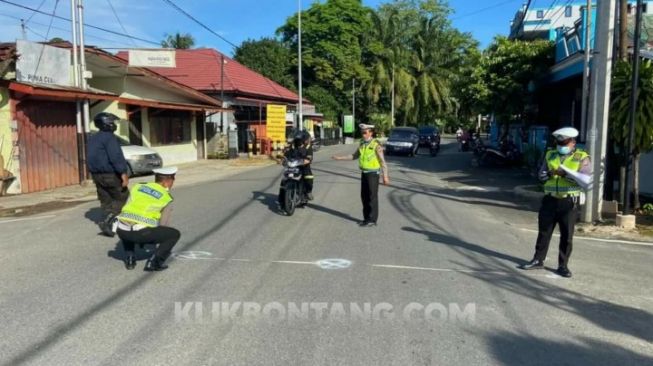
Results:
<point x="564" y="150"/>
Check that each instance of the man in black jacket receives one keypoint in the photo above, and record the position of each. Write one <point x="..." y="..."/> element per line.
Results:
<point x="108" y="168"/>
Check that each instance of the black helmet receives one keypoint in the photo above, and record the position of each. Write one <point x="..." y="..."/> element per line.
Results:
<point x="106" y="121"/>
<point x="298" y="138"/>
<point x="306" y="136"/>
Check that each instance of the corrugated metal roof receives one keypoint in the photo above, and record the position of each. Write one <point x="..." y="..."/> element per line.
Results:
<point x="200" y="69"/>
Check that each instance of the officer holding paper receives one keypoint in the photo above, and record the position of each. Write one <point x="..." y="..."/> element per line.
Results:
<point x="562" y="193"/>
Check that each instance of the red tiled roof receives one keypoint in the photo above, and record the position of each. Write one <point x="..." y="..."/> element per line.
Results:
<point x="200" y="69"/>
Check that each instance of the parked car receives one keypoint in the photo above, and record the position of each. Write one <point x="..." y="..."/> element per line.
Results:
<point x="428" y="134"/>
<point x="403" y="140"/>
<point x="140" y="159"/>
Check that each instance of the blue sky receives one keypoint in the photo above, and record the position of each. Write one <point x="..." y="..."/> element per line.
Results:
<point x="236" y="20"/>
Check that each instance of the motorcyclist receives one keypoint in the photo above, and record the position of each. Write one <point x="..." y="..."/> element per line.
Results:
<point x="308" y="159"/>
<point x="297" y="150"/>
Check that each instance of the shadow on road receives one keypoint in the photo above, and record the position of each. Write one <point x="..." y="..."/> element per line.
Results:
<point x="520" y="349"/>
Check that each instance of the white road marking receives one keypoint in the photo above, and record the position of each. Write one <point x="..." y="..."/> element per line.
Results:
<point x="28" y="219"/>
<point x="599" y="239"/>
<point x="529" y="273"/>
<point x="293" y="262"/>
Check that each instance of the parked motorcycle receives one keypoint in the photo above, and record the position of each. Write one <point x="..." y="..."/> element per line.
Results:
<point x="506" y="155"/>
<point x="291" y="192"/>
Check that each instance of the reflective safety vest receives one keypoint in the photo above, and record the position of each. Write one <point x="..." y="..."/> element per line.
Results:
<point x="146" y="201"/>
<point x="367" y="159"/>
<point x="560" y="186"/>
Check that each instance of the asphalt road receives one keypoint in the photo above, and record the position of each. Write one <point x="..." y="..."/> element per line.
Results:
<point x="434" y="284"/>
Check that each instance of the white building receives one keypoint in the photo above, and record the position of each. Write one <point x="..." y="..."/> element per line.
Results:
<point x="540" y="21"/>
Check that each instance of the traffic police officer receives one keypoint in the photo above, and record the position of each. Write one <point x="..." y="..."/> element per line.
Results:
<point x="560" y="203"/>
<point x="372" y="165"/>
<point x="108" y="167"/>
<point x="145" y="217"/>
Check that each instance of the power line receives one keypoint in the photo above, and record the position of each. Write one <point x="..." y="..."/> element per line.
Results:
<point x="483" y="9"/>
<point x="553" y="3"/>
<point x="54" y="11"/>
<point x="86" y="24"/>
<point x="34" y="13"/>
<point x="119" y="22"/>
<point x="172" y="4"/>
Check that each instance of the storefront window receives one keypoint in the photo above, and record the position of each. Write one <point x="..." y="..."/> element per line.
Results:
<point x="170" y="127"/>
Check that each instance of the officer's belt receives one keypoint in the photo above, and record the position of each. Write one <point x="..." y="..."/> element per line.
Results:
<point x="126" y="226"/>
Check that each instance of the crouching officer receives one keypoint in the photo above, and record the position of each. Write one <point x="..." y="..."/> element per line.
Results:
<point x="560" y="203"/>
<point x="145" y="217"/>
<point x="108" y="168"/>
<point x="372" y="165"/>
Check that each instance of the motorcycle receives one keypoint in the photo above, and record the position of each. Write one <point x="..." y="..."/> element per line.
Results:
<point x="464" y="144"/>
<point x="506" y="155"/>
<point x="291" y="192"/>
<point x="434" y="147"/>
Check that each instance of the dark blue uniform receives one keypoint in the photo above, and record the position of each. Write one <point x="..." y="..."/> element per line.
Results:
<point x="107" y="163"/>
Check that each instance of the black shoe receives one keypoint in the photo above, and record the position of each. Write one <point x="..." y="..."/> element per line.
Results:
<point x="107" y="230"/>
<point x="534" y="264"/>
<point x="154" y="265"/>
<point x="309" y="196"/>
<point x="564" y="272"/>
<point x="130" y="262"/>
<point x="363" y="223"/>
<point x="368" y="224"/>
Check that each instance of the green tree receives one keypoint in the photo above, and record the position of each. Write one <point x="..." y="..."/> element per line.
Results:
<point x="509" y="67"/>
<point x="270" y="58"/>
<point x="57" y="40"/>
<point x="178" y="41"/>
<point x="619" y="115"/>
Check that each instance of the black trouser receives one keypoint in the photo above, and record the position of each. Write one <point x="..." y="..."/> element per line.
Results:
<point x="561" y="211"/>
<point x="110" y="192"/>
<point x="165" y="236"/>
<point x="370" y="196"/>
<point x="308" y="179"/>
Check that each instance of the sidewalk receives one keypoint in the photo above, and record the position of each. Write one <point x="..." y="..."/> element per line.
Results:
<point x="189" y="174"/>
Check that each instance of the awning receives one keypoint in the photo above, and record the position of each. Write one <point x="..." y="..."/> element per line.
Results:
<point x="60" y="92"/>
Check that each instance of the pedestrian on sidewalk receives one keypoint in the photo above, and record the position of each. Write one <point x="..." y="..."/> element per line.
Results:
<point x="372" y="165"/>
<point x="145" y="217"/>
<point x="108" y="168"/>
<point x="561" y="200"/>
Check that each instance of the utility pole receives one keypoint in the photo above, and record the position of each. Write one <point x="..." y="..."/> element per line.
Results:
<point x="392" y="102"/>
<point x="299" y="63"/>
<point x="81" y="149"/>
<point x="353" y="100"/>
<point x="586" y="69"/>
<point x="599" y="105"/>
<point x="82" y="64"/>
<point x="222" y="93"/>
<point x="22" y="29"/>
<point x="633" y="107"/>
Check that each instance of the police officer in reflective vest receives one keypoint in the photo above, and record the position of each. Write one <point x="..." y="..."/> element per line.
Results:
<point x="560" y="203"/>
<point x="372" y="165"/>
<point x="145" y="217"/>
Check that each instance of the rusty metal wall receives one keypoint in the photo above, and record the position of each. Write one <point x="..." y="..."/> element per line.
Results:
<point x="48" y="145"/>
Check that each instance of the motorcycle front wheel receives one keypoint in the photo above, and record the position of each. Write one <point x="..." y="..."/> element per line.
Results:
<point x="289" y="199"/>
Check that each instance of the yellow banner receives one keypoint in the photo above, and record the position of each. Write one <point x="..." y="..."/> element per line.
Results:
<point x="276" y="122"/>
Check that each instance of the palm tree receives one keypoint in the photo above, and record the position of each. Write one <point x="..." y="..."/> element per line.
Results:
<point x="384" y="63"/>
<point x="431" y="89"/>
<point x="619" y="113"/>
<point x="178" y="41"/>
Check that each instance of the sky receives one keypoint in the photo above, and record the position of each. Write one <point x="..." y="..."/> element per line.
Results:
<point x="235" y="20"/>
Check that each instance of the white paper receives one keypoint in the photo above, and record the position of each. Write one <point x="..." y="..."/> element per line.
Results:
<point x="583" y="180"/>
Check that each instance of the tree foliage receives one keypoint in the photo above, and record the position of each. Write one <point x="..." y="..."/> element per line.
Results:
<point x="178" y="41"/>
<point x="270" y="58"/>
<point x="509" y="67"/>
